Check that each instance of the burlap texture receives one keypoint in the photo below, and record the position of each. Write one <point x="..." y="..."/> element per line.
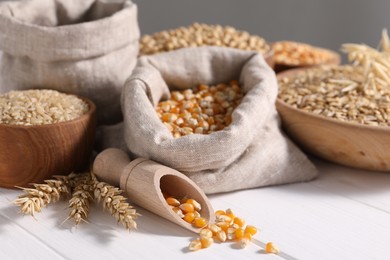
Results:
<point x="86" y="47"/>
<point x="251" y="152"/>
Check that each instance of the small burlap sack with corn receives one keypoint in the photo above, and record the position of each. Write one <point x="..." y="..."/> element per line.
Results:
<point x="251" y="152"/>
<point x="84" y="47"/>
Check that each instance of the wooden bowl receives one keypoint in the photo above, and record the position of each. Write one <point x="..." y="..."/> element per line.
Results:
<point x="350" y="144"/>
<point x="30" y="154"/>
<point x="334" y="59"/>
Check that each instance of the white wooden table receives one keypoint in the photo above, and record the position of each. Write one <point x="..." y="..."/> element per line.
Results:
<point x="344" y="214"/>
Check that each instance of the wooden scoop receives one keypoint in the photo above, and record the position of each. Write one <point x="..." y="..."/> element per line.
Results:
<point x="144" y="180"/>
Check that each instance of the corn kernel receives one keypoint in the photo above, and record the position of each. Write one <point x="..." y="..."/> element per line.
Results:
<point x="251" y="230"/>
<point x="187" y="207"/>
<point x="231" y="233"/>
<point x="244" y="242"/>
<point x="220" y="212"/>
<point x="178" y="211"/>
<point x="270" y="248"/>
<point x="200" y="222"/>
<point x="172" y="201"/>
<point x="223" y="225"/>
<point x="189" y="217"/>
<point x="206" y="242"/>
<point x="214" y="228"/>
<point x="239" y="233"/>
<point x="230" y="213"/>
<point x="197" y="214"/>
<point x="196" y="204"/>
<point x="205" y="233"/>
<point x="239" y="221"/>
<point x="195" y="245"/>
<point x="221" y="236"/>
<point x="223" y="218"/>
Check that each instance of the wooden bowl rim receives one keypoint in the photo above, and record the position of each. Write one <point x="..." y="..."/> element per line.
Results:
<point x="293" y="73"/>
<point x="335" y="56"/>
<point x="91" y="111"/>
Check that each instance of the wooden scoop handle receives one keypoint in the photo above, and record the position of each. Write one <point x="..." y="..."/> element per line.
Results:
<point x="109" y="165"/>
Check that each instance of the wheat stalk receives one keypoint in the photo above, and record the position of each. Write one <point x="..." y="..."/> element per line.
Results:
<point x="376" y="63"/>
<point x="115" y="203"/>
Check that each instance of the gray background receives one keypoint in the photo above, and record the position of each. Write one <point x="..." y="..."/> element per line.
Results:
<point x="326" y="23"/>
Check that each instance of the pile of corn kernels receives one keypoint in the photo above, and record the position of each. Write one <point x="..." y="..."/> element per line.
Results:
<point x="201" y="111"/>
<point x="227" y="226"/>
<point x="295" y="54"/>
<point x="201" y="35"/>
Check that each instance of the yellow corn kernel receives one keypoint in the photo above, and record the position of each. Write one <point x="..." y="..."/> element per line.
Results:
<point x="195" y="245"/>
<point x="172" y="201"/>
<point x="197" y="214"/>
<point x="221" y="236"/>
<point x="244" y="242"/>
<point x="200" y="222"/>
<point x="189" y="217"/>
<point x="220" y="212"/>
<point x="251" y="230"/>
<point x="230" y="213"/>
<point x="206" y="242"/>
<point x="234" y="226"/>
<point x="270" y="248"/>
<point x="231" y="233"/>
<point x="239" y="233"/>
<point x="223" y="218"/>
<point x="214" y="228"/>
<point x="205" y="233"/>
<point x="168" y="117"/>
<point x="239" y="221"/>
<point x="178" y="211"/>
<point x="187" y="207"/>
<point x="196" y="204"/>
<point x="223" y="225"/>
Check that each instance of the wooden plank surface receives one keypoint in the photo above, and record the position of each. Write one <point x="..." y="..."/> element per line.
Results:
<point x="344" y="214"/>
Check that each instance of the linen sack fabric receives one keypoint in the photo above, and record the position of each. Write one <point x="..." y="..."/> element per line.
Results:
<point x="251" y="152"/>
<point x="86" y="47"/>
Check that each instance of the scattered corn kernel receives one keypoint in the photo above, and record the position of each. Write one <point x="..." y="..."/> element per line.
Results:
<point x="196" y="204"/>
<point x="200" y="222"/>
<point x="239" y="221"/>
<point x="244" y="242"/>
<point x="195" y="245"/>
<point x="270" y="248"/>
<point x="223" y="225"/>
<point x="221" y="236"/>
<point x="206" y="242"/>
<point x="172" y="201"/>
<point x="230" y="213"/>
<point x="231" y="233"/>
<point x="251" y="230"/>
<point x="205" y="233"/>
<point x="187" y="207"/>
<point x="220" y="212"/>
<point x="223" y="218"/>
<point x="239" y="233"/>
<point x="214" y="228"/>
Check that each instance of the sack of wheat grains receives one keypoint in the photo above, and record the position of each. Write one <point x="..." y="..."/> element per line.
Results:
<point x="84" y="47"/>
<point x="250" y="152"/>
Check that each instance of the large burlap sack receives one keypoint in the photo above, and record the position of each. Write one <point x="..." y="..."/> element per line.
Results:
<point x="84" y="47"/>
<point x="251" y="152"/>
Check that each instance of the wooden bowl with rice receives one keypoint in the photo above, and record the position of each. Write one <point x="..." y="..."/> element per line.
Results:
<point x="363" y="142"/>
<point x="40" y="137"/>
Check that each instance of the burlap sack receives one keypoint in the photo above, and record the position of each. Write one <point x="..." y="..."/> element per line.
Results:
<point x="251" y="152"/>
<point x="84" y="47"/>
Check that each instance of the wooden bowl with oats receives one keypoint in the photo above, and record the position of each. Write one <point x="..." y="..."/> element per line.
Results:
<point x="30" y="151"/>
<point x="334" y="137"/>
<point x="292" y="55"/>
